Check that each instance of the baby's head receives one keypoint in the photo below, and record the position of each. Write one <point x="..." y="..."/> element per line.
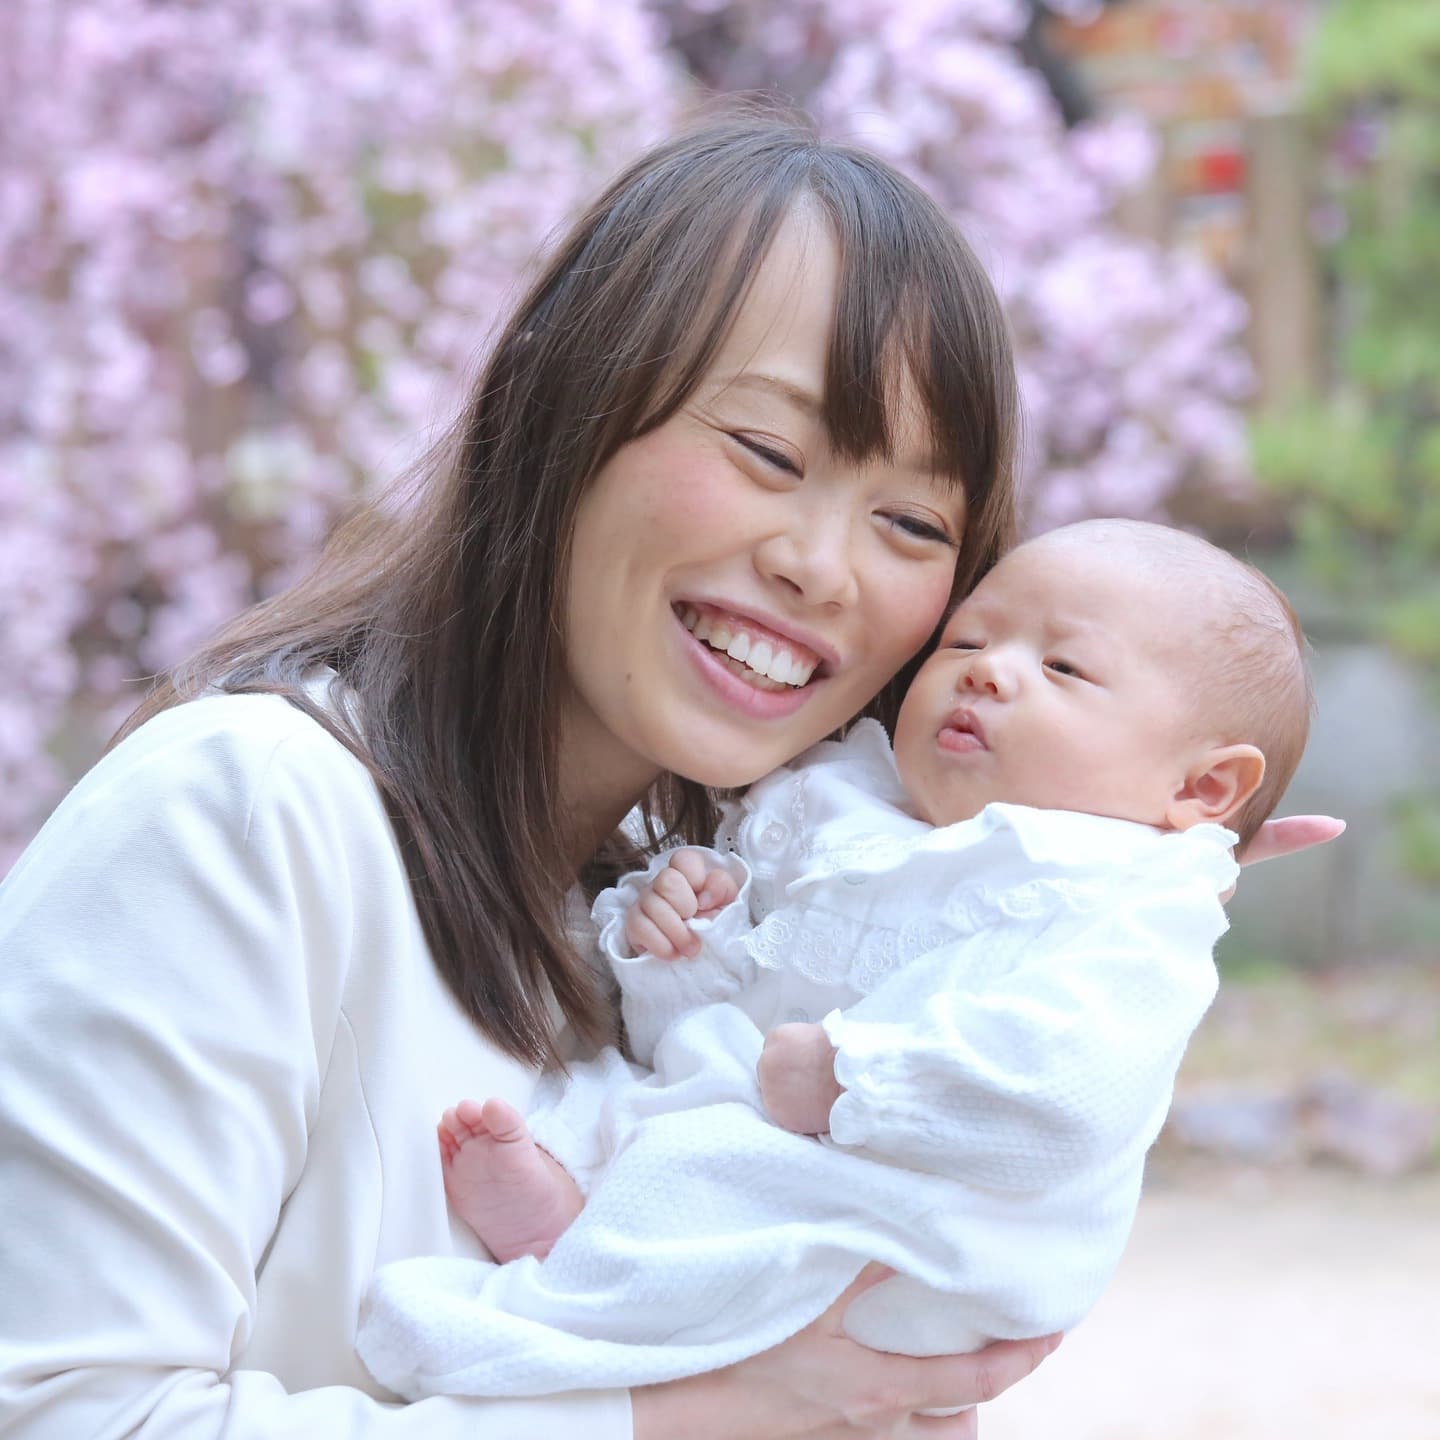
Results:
<point x="1114" y="667"/>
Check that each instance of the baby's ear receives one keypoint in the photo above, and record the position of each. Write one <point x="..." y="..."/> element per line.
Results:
<point x="1216" y="786"/>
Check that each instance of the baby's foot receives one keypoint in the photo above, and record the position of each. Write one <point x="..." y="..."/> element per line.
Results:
<point x="513" y="1195"/>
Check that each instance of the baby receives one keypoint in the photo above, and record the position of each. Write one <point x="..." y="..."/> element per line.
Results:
<point x="969" y="965"/>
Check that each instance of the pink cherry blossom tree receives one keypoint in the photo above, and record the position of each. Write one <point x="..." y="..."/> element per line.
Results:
<point x="248" y="256"/>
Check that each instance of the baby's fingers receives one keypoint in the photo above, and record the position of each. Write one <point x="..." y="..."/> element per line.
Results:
<point x="719" y="889"/>
<point x="677" y="890"/>
<point x="668" y="923"/>
<point x="692" y="866"/>
<point x="645" y="936"/>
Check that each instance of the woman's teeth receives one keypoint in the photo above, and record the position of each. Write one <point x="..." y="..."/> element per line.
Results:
<point x="757" y="660"/>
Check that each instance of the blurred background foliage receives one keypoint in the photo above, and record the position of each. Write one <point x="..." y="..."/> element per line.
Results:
<point x="1361" y="467"/>
<point x="1359" y="464"/>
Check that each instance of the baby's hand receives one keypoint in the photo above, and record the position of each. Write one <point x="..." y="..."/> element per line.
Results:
<point x="797" y="1078"/>
<point x="658" y="922"/>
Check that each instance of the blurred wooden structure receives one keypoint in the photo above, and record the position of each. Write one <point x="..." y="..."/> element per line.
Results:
<point x="1219" y="82"/>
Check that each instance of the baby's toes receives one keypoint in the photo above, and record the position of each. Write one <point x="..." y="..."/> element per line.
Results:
<point x="470" y="1120"/>
<point x="503" y="1121"/>
<point x="449" y="1146"/>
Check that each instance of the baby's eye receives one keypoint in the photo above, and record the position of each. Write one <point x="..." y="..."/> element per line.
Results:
<point x="1064" y="667"/>
<point x="966" y="645"/>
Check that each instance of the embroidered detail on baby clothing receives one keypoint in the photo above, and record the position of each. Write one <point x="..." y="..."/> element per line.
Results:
<point x="1046" y="895"/>
<point x="833" y="949"/>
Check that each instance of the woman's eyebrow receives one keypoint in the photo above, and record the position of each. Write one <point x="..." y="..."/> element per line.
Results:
<point x="790" y="391"/>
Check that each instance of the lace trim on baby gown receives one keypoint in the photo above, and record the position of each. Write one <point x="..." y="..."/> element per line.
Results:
<point x="1051" y="895"/>
<point x="838" y="950"/>
<point x="830" y="947"/>
<point x="763" y="840"/>
<point x="822" y="874"/>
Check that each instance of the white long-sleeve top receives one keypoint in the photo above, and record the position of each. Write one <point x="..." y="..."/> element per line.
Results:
<point x="223" y="1049"/>
<point x="1009" y="997"/>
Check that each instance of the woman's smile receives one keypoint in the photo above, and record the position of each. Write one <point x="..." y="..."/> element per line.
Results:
<point x="757" y="695"/>
<point x="762" y="653"/>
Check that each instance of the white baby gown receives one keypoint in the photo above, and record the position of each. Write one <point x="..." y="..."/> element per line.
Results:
<point x="1010" y="998"/>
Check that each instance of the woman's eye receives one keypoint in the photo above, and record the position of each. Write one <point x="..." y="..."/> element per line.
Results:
<point x="775" y="458"/>
<point x="920" y="528"/>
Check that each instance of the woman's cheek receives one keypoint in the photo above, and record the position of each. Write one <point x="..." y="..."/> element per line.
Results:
<point x="903" y="605"/>
<point x="688" y="491"/>
<point x="916" y="601"/>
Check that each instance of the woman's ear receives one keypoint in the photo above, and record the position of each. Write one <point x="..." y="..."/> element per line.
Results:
<point x="1216" y="786"/>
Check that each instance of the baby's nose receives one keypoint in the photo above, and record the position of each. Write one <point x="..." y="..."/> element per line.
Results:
<point x="989" y="673"/>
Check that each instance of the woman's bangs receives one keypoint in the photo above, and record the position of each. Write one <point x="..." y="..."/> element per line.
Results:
<point x="717" y="269"/>
<point x="906" y="346"/>
<point x="888" y="372"/>
<point x="917" y="340"/>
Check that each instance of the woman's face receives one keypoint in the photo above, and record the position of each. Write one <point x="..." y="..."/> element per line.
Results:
<point x="732" y="541"/>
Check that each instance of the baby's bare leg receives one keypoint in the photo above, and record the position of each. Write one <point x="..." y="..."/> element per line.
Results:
<point x="513" y="1195"/>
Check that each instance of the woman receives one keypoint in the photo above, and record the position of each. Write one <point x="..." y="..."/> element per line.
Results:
<point x="280" y="926"/>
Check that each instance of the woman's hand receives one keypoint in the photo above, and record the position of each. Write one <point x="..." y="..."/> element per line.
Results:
<point x="1284" y="837"/>
<point x="822" y="1385"/>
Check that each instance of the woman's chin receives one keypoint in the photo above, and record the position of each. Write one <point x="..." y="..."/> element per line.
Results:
<point x="732" y="766"/>
<point x="729" y="774"/>
<point x="725" y="762"/>
<point x="728" y="751"/>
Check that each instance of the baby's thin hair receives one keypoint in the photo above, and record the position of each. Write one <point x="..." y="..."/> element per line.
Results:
<point x="1271" y="692"/>
<point x="1258" y="691"/>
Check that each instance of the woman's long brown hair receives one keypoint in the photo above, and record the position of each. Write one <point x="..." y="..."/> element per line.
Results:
<point x="443" y="621"/>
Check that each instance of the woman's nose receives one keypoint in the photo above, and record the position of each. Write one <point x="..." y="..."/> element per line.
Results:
<point x="813" y="558"/>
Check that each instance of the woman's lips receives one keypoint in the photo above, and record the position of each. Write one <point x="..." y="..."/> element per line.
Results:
<point x="757" y="646"/>
<point x="718" y="672"/>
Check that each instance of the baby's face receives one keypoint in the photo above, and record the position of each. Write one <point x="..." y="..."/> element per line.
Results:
<point x="1062" y="682"/>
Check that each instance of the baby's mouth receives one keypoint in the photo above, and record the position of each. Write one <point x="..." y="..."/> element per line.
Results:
<point x="963" y="731"/>
<point x="757" y="656"/>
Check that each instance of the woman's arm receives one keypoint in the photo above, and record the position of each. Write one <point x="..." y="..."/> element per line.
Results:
<point x="175" y="949"/>
<point x="821" y="1385"/>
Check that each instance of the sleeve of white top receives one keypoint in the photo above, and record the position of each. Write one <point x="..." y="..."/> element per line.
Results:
<point x="654" y="993"/>
<point x="174" y="946"/>
<point x="1041" y="1072"/>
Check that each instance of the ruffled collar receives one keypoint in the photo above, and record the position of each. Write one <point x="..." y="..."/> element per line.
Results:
<point x="860" y="818"/>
